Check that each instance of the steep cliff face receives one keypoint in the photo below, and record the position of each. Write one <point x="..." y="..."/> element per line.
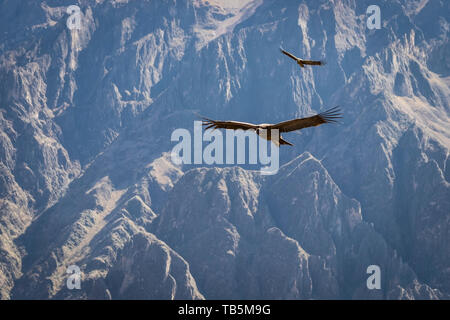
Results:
<point x="291" y="236"/>
<point x="85" y="171"/>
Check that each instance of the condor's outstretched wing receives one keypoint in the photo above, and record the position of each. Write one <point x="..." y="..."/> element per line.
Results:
<point x="329" y="116"/>
<point x="234" y="125"/>
<point x="290" y="55"/>
<point x="313" y="62"/>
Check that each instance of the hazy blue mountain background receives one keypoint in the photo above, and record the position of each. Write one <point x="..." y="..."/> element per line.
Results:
<point x="86" y="176"/>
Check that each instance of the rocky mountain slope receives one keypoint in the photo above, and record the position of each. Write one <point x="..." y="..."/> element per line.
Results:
<point x="86" y="176"/>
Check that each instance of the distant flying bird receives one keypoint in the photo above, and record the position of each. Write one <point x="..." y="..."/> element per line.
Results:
<point x="302" y="62"/>
<point x="329" y="116"/>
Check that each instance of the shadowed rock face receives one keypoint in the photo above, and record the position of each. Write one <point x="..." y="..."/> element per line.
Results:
<point x="293" y="236"/>
<point x="86" y="177"/>
<point x="148" y="269"/>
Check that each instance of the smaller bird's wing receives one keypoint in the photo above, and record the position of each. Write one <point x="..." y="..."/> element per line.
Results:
<point x="329" y="116"/>
<point x="233" y="125"/>
<point x="313" y="62"/>
<point x="290" y="55"/>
